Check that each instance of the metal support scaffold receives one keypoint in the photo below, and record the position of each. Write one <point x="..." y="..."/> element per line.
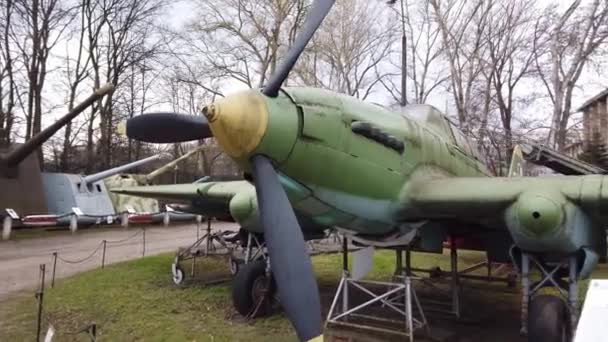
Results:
<point x="227" y="245"/>
<point x="446" y="302"/>
<point x="398" y="296"/>
<point x="550" y="277"/>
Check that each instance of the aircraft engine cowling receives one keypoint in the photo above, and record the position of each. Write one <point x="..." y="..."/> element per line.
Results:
<point x="244" y="210"/>
<point x="547" y="221"/>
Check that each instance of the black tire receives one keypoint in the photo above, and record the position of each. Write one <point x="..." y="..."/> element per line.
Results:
<point x="246" y="289"/>
<point x="548" y="319"/>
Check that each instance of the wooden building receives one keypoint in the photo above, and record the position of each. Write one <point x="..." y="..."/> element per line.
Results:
<point x="595" y="120"/>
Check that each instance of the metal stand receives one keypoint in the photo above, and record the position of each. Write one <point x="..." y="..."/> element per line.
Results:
<point x="441" y="306"/>
<point x="212" y="242"/>
<point x="217" y="244"/>
<point x="549" y="278"/>
<point x="400" y="297"/>
<point x="254" y="249"/>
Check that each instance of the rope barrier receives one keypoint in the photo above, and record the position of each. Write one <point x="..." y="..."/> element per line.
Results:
<point x="126" y="239"/>
<point x="81" y="260"/>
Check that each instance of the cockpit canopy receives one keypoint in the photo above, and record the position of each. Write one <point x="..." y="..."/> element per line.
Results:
<point x="433" y="119"/>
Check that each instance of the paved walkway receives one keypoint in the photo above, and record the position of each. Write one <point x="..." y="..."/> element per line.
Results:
<point x="20" y="259"/>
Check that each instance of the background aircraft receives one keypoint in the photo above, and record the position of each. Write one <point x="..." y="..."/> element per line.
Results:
<point x="404" y="177"/>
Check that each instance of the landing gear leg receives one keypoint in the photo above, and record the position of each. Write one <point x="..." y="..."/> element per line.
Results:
<point x="549" y="317"/>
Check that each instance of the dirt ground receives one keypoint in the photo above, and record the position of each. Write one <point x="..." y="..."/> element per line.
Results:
<point x="20" y="258"/>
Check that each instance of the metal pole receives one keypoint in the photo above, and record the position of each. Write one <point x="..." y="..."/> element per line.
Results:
<point x="408" y="308"/>
<point x="40" y="296"/>
<point x="208" y="234"/>
<point x="143" y="250"/>
<point x="248" y="250"/>
<point x="525" y="292"/>
<point x="54" y="268"/>
<point x="345" y="274"/>
<point x="398" y="261"/>
<point x="193" y="265"/>
<point x="489" y="264"/>
<point x="455" y="280"/>
<point x="573" y="293"/>
<point x="103" y="254"/>
<point x="408" y="261"/>
<point x="403" y="59"/>
<point x="345" y="254"/>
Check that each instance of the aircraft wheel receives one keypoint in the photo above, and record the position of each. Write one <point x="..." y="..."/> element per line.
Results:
<point x="548" y="319"/>
<point x="178" y="274"/>
<point x="252" y="292"/>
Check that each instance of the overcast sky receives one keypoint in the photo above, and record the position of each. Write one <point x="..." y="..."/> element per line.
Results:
<point x="180" y="12"/>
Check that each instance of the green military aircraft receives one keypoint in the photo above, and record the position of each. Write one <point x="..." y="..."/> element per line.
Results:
<point x="381" y="176"/>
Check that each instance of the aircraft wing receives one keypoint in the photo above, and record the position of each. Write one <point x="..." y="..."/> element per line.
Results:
<point x="483" y="197"/>
<point x="221" y="191"/>
<point x="563" y="214"/>
<point x="209" y="198"/>
<point x="462" y="197"/>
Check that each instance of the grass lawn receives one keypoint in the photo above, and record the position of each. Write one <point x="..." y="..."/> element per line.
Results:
<point x="137" y="301"/>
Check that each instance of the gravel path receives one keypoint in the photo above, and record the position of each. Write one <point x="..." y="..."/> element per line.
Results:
<point x="20" y="259"/>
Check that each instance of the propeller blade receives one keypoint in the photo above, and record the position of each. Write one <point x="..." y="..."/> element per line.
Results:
<point x="319" y="10"/>
<point x="162" y="128"/>
<point x="289" y="258"/>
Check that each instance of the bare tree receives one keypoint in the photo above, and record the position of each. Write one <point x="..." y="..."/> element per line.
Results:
<point x="41" y="25"/>
<point x="121" y="33"/>
<point x="348" y="51"/>
<point x="243" y="40"/>
<point x="421" y="37"/>
<point x="7" y="74"/>
<point x="564" y="44"/>
<point x="509" y="58"/>
<point x="462" y="24"/>
<point x="76" y="72"/>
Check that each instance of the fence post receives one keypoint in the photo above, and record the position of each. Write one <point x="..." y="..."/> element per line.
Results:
<point x="103" y="255"/>
<point x="73" y="223"/>
<point x="209" y="242"/>
<point x="40" y="297"/>
<point x="54" y="268"/>
<point x="7" y="226"/>
<point x="93" y="332"/>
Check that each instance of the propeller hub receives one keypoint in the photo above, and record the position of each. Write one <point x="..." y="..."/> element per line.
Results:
<point x="238" y="122"/>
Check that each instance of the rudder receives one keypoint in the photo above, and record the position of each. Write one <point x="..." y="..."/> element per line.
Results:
<point x="516" y="169"/>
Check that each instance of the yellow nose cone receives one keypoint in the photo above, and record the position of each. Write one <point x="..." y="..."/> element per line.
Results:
<point x="238" y="122"/>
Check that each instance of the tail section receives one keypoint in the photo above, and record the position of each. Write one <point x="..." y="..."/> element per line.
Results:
<point x="516" y="169"/>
